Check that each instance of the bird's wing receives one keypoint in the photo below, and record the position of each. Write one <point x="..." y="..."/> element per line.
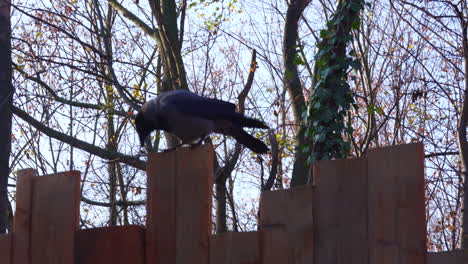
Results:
<point x="195" y="105"/>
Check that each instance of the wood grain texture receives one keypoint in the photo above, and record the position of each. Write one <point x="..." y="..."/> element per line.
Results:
<point x="179" y="205"/>
<point x="160" y="208"/>
<point x="397" y="227"/>
<point x="110" y="245"/>
<point x="291" y="210"/>
<point x="340" y="211"/>
<point x="22" y="219"/>
<point x="55" y="216"/>
<point x="451" y="257"/>
<point x="235" y="248"/>
<point x="274" y="246"/>
<point x="193" y="203"/>
<point x="5" y="248"/>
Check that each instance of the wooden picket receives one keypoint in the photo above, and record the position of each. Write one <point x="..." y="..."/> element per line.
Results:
<point x="292" y="211"/>
<point x="366" y="211"/>
<point x="340" y="202"/>
<point x="179" y="206"/>
<point x="235" y="248"/>
<point x="5" y="248"/>
<point x="117" y="245"/>
<point x="397" y="226"/>
<point x="22" y="221"/>
<point x="453" y="257"/>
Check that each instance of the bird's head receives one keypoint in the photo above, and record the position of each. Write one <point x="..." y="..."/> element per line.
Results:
<point x="145" y="125"/>
<point x="143" y="128"/>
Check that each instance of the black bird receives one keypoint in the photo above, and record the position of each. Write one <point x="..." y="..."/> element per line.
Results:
<point x="191" y="117"/>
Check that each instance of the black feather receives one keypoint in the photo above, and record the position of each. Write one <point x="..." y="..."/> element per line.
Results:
<point x="254" y="144"/>
<point x="190" y="117"/>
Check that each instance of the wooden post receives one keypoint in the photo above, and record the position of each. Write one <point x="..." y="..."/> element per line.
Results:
<point x="235" y="248"/>
<point x="290" y="210"/>
<point x="450" y="257"/>
<point x="397" y="226"/>
<point x="55" y="217"/>
<point x="179" y="205"/>
<point x="5" y="248"/>
<point x="275" y="248"/>
<point x="110" y="245"/>
<point x="340" y="211"/>
<point x="22" y="220"/>
<point x="47" y="215"/>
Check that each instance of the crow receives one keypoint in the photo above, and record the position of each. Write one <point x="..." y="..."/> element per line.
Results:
<point x="191" y="117"/>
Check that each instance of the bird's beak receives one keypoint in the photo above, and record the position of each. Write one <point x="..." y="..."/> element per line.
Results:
<point x="142" y="150"/>
<point x="142" y="138"/>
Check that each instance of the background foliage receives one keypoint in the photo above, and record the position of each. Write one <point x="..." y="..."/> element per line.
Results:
<point x="81" y="66"/>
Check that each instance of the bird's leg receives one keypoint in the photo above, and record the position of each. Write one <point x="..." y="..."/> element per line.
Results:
<point x="173" y="148"/>
<point x="142" y="150"/>
<point x="199" y="142"/>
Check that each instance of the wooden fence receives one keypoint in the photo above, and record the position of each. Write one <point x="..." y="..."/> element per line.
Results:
<point x="363" y="211"/>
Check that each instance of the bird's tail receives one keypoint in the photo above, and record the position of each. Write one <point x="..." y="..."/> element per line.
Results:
<point x="250" y="142"/>
<point x="243" y="121"/>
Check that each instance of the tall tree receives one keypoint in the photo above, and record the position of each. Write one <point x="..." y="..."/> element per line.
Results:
<point x="461" y="12"/>
<point x="331" y="98"/>
<point x="292" y="82"/>
<point x="6" y="100"/>
<point x="169" y="44"/>
<point x="440" y="27"/>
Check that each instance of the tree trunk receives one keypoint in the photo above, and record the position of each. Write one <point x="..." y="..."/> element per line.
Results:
<point x="112" y="169"/>
<point x="332" y="97"/>
<point x="294" y="86"/>
<point x="462" y="140"/>
<point x="6" y="100"/>
<point x="123" y="194"/>
<point x="169" y="47"/>
<point x="221" y="216"/>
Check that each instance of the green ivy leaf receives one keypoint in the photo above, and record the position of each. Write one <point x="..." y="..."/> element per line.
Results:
<point x="298" y="60"/>
<point x="332" y="98"/>
<point x="356" y="24"/>
<point x="288" y="75"/>
<point x="379" y="110"/>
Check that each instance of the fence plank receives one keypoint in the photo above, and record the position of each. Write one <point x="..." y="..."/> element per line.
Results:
<point x="110" y="245"/>
<point x="340" y="211"/>
<point x="193" y="204"/>
<point x="235" y="248"/>
<point x="5" y="248"/>
<point x="274" y="247"/>
<point x="451" y="257"/>
<point x="55" y="217"/>
<point x="397" y="227"/>
<point x="22" y="219"/>
<point x="179" y="205"/>
<point x="291" y="209"/>
<point x="160" y="208"/>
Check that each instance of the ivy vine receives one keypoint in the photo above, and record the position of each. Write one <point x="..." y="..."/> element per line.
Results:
<point x="331" y="98"/>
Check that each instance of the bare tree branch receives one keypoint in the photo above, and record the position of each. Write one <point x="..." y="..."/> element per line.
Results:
<point x="274" y="162"/>
<point x="438" y="154"/>
<point x="117" y="203"/>
<point x="62" y="100"/>
<point x="152" y="32"/>
<point x="92" y="149"/>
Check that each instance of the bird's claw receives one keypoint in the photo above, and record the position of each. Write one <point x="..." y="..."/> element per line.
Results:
<point x="169" y="149"/>
<point x="141" y="153"/>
